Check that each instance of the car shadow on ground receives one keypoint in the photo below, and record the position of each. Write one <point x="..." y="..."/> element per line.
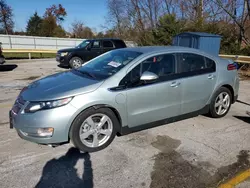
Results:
<point x="239" y="101"/>
<point x="243" y="118"/>
<point x="61" y="172"/>
<point x="9" y="67"/>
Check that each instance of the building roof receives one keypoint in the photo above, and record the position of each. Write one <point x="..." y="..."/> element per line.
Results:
<point x="200" y="34"/>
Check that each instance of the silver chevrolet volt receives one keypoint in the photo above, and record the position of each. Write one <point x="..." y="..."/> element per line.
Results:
<point x="124" y="91"/>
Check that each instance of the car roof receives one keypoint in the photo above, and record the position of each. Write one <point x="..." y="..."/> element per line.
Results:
<point x="106" y="39"/>
<point x="155" y="49"/>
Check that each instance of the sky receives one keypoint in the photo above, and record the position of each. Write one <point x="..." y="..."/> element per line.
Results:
<point x="91" y="12"/>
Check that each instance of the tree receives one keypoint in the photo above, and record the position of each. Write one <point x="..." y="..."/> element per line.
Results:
<point x="167" y="27"/>
<point x="58" y="12"/>
<point x="59" y="32"/>
<point x="6" y="17"/>
<point x="51" y="24"/>
<point x="48" y="26"/>
<point x="100" y="35"/>
<point x="34" y="25"/>
<point x="80" y="31"/>
<point x="231" y="7"/>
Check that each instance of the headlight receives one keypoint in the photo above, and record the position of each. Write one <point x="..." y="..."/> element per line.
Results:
<point x="64" y="53"/>
<point x="36" y="106"/>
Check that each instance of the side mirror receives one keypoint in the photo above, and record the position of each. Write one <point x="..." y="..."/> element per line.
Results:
<point x="148" y="76"/>
<point x="88" y="48"/>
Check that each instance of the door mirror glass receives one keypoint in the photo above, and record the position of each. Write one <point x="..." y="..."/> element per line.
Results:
<point x="147" y="76"/>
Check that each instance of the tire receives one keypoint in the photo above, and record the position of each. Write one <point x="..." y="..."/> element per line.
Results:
<point x="89" y="129"/>
<point x="224" y="104"/>
<point x="75" y="62"/>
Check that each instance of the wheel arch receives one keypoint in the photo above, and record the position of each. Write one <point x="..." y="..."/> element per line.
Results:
<point x="97" y="106"/>
<point x="230" y="88"/>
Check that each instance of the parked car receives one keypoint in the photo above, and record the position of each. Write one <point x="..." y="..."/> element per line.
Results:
<point x="87" y="50"/>
<point x="2" y="58"/>
<point x="124" y="91"/>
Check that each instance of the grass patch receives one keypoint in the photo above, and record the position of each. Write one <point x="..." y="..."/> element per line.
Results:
<point x="19" y="55"/>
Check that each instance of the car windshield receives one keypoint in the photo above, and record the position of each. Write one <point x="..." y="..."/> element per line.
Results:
<point x="83" y="44"/>
<point x="108" y="64"/>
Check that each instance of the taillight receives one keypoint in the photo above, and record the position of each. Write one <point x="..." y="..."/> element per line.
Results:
<point x="231" y="67"/>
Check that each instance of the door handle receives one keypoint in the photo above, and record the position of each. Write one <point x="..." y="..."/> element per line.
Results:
<point x="210" y="76"/>
<point x="175" y="84"/>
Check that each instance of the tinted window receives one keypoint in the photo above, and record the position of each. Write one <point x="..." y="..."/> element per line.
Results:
<point x="119" y="44"/>
<point x="210" y="64"/>
<point x="191" y="62"/>
<point x="107" y="44"/>
<point x="108" y="64"/>
<point x="161" y="65"/>
<point x="96" y="44"/>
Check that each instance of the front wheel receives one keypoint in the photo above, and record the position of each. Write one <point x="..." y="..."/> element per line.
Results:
<point x="75" y="62"/>
<point x="220" y="103"/>
<point x="94" y="129"/>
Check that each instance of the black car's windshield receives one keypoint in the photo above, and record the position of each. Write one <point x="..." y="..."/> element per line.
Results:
<point x="109" y="63"/>
<point x="83" y="44"/>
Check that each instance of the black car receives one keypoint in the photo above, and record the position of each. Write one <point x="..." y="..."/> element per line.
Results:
<point x="2" y="59"/>
<point x="87" y="50"/>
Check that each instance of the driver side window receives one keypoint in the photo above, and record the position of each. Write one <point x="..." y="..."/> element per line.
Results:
<point x="95" y="44"/>
<point x="162" y="65"/>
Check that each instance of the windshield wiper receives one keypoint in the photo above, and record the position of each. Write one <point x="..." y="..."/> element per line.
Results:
<point x="86" y="73"/>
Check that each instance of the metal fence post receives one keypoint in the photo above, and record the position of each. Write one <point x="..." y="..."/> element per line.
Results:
<point x="35" y="42"/>
<point x="10" y="42"/>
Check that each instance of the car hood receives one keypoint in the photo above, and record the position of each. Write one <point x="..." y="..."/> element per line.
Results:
<point x="66" y="50"/>
<point x="60" y="85"/>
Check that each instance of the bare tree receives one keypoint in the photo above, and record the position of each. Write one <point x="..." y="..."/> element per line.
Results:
<point x="6" y="17"/>
<point x="80" y="31"/>
<point x="230" y="8"/>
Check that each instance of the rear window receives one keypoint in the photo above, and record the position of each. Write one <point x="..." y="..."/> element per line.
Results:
<point x="210" y="64"/>
<point x="107" y="44"/>
<point x="119" y="44"/>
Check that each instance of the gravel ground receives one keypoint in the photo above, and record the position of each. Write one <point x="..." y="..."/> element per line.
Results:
<point x="194" y="153"/>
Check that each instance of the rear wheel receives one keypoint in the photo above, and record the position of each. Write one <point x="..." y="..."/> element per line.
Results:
<point x="75" y="62"/>
<point x="220" y="103"/>
<point x="94" y="130"/>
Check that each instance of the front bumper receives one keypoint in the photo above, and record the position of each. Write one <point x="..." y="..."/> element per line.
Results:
<point x="27" y="125"/>
<point x="2" y="60"/>
<point x="63" y="61"/>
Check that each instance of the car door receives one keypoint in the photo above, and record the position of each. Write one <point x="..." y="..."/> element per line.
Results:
<point x="198" y="80"/>
<point x="107" y="45"/>
<point x="94" y="50"/>
<point x="153" y="101"/>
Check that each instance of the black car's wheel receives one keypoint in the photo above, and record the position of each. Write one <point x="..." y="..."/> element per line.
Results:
<point x="94" y="129"/>
<point x="220" y="103"/>
<point x="75" y="62"/>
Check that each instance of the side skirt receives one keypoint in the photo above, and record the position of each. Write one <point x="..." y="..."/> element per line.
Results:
<point x="127" y="130"/>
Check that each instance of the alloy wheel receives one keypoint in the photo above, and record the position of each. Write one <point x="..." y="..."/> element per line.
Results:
<point x="77" y="63"/>
<point x="96" y="130"/>
<point x="222" y="103"/>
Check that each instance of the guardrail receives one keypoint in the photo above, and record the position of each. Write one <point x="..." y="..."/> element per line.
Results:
<point x="235" y="58"/>
<point x="28" y="51"/>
